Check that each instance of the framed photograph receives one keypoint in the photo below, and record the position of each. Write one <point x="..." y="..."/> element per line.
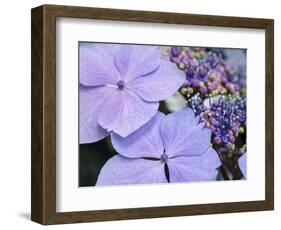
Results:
<point x="140" y="114"/>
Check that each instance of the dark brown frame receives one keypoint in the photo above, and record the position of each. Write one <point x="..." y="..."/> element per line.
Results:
<point x="43" y="188"/>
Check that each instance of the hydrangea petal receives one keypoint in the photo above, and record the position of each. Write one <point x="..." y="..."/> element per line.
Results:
<point x="121" y="171"/>
<point x="124" y="112"/>
<point x="91" y="99"/>
<point x="134" y="61"/>
<point x="159" y="85"/>
<point x="183" y="135"/>
<point x="243" y="164"/>
<point x="194" y="168"/>
<point x="144" y="142"/>
<point x="97" y="64"/>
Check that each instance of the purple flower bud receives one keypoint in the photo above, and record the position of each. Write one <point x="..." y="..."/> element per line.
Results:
<point x="185" y="59"/>
<point x="203" y="89"/>
<point x="228" y="145"/>
<point x="213" y="85"/>
<point x="224" y="79"/>
<point x="196" y="83"/>
<point x="232" y="138"/>
<point x="235" y="129"/>
<point x="237" y="87"/>
<point x="224" y="139"/>
<point x="217" y="140"/>
<point x="176" y="60"/>
<point x="175" y="51"/>
<point x="214" y="122"/>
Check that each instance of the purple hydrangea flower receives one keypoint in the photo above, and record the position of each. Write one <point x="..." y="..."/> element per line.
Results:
<point x="225" y="115"/>
<point x="243" y="164"/>
<point x="177" y="142"/>
<point x="208" y="72"/>
<point x="121" y="86"/>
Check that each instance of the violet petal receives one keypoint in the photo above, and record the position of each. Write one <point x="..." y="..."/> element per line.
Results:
<point x="91" y="100"/>
<point x="97" y="64"/>
<point x="159" y="85"/>
<point x="144" y="142"/>
<point x="194" y="168"/>
<point x="124" y="112"/>
<point x="134" y="61"/>
<point x="243" y="164"/>
<point x="119" y="170"/>
<point x="183" y="135"/>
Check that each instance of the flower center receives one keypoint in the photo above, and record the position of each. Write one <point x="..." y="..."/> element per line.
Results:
<point x="121" y="84"/>
<point x="164" y="157"/>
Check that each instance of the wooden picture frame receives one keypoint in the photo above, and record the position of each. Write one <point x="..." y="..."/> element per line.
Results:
<point x="43" y="208"/>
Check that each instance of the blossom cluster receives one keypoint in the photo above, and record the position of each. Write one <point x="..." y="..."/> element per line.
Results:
<point x="215" y="89"/>
<point x="224" y="115"/>
<point x="207" y="72"/>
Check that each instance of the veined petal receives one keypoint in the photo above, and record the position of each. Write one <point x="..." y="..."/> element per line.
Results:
<point x="121" y="171"/>
<point x="97" y="64"/>
<point x="183" y="135"/>
<point x="159" y="85"/>
<point x="134" y="61"/>
<point x="194" y="168"/>
<point x="144" y="142"/>
<point x="91" y="100"/>
<point x="124" y="112"/>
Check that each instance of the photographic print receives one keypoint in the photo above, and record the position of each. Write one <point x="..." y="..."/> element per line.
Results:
<point x="165" y="106"/>
<point x="153" y="114"/>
